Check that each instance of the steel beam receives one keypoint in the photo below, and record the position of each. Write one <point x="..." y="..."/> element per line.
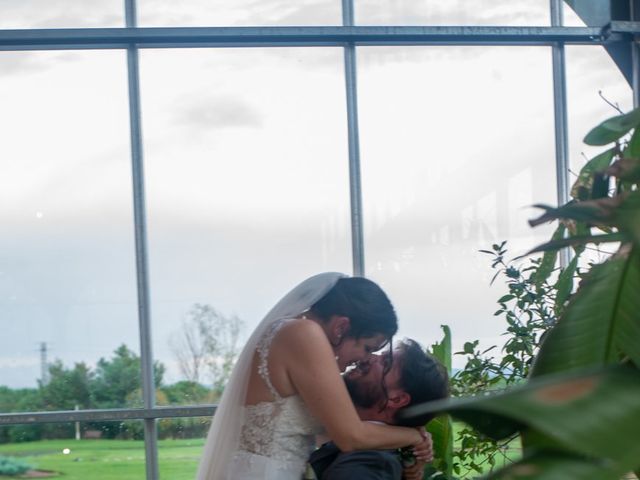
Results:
<point x="355" y="179"/>
<point x="625" y="27"/>
<point x="116" y="414"/>
<point x="184" y="37"/>
<point x="560" y="116"/>
<point x="142" y="268"/>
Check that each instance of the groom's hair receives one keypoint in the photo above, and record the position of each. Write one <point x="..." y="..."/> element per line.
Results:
<point x="423" y="377"/>
<point x="369" y="309"/>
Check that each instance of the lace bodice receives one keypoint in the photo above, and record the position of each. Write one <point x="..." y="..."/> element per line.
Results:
<point x="282" y="429"/>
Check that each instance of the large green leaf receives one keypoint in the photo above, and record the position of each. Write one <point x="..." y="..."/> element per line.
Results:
<point x="556" y="466"/>
<point x="574" y="241"/>
<point x="441" y="427"/>
<point x="593" y="414"/>
<point x="584" y="183"/>
<point x="549" y="258"/>
<point x="564" y="285"/>
<point x="613" y="128"/>
<point x="441" y="430"/>
<point x="442" y="350"/>
<point x="628" y="216"/>
<point x="627" y="169"/>
<point x="601" y="320"/>
<point x="621" y="212"/>
<point x="633" y="148"/>
<point x="598" y="212"/>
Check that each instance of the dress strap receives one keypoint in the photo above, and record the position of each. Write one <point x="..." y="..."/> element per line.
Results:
<point x="263" y="356"/>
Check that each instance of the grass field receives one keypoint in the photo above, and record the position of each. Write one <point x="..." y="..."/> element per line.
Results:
<point x="120" y="459"/>
<point x="107" y="459"/>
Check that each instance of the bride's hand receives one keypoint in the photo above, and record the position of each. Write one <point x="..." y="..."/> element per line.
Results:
<point x="423" y="449"/>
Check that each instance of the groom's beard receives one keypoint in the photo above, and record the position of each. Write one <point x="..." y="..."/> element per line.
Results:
<point x="363" y="396"/>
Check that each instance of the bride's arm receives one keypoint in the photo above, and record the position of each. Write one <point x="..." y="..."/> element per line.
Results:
<point x="311" y="366"/>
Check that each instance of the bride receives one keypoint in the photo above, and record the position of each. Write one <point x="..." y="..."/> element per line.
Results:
<point x="286" y="386"/>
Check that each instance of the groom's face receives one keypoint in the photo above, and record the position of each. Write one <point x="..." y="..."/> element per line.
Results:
<point x="365" y="382"/>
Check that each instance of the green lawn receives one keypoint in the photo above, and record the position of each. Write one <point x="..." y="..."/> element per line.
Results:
<point x="107" y="459"/>
<point x="124" y="459"/>
<point x="512" y="454"/>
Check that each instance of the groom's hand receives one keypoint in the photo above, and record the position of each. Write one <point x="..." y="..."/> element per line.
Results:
<point x="414" y="472"/>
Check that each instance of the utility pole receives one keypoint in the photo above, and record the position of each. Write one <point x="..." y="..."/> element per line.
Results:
<point x="44" y="371"/>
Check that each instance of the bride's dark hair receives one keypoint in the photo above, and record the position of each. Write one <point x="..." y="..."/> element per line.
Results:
<point x="369" y="309"/>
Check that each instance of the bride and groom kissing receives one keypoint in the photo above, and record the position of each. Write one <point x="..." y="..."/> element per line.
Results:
<point x="380" y="389"/>
<point x="287" y="388"/>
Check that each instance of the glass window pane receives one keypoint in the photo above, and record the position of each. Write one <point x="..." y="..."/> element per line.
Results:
<point x="456" y="143"/>
<point x="596" y="13"/>
<point x="247" y="182"/>
<point x="180" y="446"/>
<point x="453" y="12"/>
<point x="100" y="451"/>
<point x="239" y="12"/>
<point x="570" y="18"/>
<point x="67" y="268"/>
<point x="596" y="89"/>
<point x="61" y="13"/>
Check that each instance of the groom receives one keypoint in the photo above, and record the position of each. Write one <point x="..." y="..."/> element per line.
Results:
<point x="379" y="389"/>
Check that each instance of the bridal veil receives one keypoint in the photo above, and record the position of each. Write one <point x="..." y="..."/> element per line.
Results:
<point x="224" y="435"/>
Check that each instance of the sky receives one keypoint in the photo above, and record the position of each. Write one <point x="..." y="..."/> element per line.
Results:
<point x="247" y="175"/>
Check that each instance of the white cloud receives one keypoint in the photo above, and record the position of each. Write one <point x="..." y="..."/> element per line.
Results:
<point x="61" y="13"/>
<point x="215" y="112"/>
<point x="238" y="215"/>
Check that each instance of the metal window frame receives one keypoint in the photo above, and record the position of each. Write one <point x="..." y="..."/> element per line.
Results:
<point x="112" y="414"/>
<point x="560" y="116"/>
<point x="193" y="37"/>
<point x="131" y="38"/>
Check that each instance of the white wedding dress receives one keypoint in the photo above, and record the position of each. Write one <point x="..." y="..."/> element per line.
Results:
<point x="276" y="437"/>
<point x="270" y="440"/>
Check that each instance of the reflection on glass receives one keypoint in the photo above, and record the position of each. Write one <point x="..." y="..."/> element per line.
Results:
<point x="453" y="12"/>
<point x="596" y="89"/>
<point x="61" y="13"/>
<point x="67" y="278"/>
<point x="86" y="450"/>
<point x="239" y="12"/>
<point x="180" y="446"/>
<point x="595" y="86"/>
<point x="456" y="143"/>
<point x="248" y="192"/>
<point x="570" y="18"/>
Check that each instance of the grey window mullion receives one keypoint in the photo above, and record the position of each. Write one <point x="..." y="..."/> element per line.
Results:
<point x="192" y="37"/>
<point x="355" y="180"/>
<point x="106" y="415"/>
<point x="635" y="56"/>
<point x="560" y="115"/>
<point x="142" y="267"/>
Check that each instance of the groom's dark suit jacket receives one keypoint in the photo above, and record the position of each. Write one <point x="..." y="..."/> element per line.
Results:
<point x="329" y="463"/>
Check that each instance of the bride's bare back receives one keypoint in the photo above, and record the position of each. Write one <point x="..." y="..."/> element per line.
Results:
<point x="278" y="356"/>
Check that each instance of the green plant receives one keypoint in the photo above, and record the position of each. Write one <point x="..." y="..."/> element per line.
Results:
<point x="441" y="427"/>
<point x="578" y="413"/>
<point x="529" y="310"/>
<point x="12" y="466"/>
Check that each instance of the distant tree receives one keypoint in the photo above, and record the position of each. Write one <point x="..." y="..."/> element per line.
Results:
<point x="207" y="345"/>
<point x="67" y="388"/>
<point x="117" y="383"/>
<point x="118" y="378"/>
<point x="186" y="393"/>
<point x="27" y="400"/>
